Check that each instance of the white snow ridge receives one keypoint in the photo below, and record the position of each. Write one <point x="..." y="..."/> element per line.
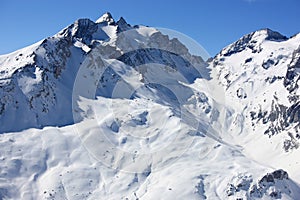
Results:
<point x="106" y="110"/>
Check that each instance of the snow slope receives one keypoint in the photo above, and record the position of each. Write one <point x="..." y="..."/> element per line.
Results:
<point x="106" y="110"/>
<point x="262" y="77"/>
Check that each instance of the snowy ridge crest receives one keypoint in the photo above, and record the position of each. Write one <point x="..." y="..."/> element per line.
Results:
<point x="252" y="41"/>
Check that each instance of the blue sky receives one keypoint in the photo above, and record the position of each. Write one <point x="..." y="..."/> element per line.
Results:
<point x="212" y="23"/>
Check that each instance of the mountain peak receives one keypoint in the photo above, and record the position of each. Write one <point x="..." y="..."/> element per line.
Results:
<point x="106" y="17"/>
<point x="268" y="34"/>
<point x="253" y="41"/>
<point x="121" y="21"/>
<point x="122" y="25"/>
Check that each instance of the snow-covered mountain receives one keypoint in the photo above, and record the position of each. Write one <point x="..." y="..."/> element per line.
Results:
<point x="106" y="110"/>
<point x="260" y="69"/>
<point x="260" y="72"/>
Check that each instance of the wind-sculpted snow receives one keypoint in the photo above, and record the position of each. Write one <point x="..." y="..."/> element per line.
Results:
<point x="106" y="110"/>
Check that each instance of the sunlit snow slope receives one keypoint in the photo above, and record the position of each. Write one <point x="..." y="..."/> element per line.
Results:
<point x="106" y="110"/>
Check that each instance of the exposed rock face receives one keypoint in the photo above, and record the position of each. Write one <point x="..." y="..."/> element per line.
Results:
<point x="272" y="185"/>
<point x="293" y="73"/>
<point x="282" y="117"/>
